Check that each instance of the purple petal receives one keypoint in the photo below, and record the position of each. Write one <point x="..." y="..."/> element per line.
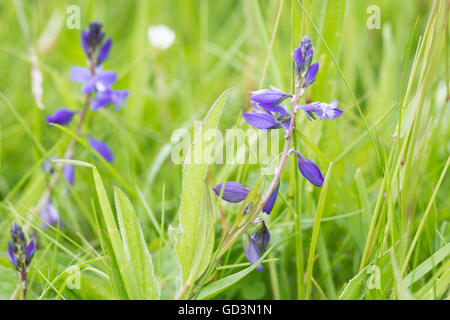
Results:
<point x="118" y="98"/>
<point x="85" y="42"/>
<point x="309" y="170"/>
<point x="31" y="249"/>
<point x="11" y="256"/>
<point x="104" y="51"/>
<point x="104" y="79"/>
<point x="261" y="119"/>
<point x="271" y="201"/>
<point x="281" y="111"/>
<point x="50" y="216"/>
<point x="268" y="97"/>
<point x="62" y="116"/>
<point x="234" y="192"/>
<point x="69" y="173"/>
<point x="79" y="74"/>
<point x="101" y="148"/>
<point x="252" y="253"/>
<point x="101" y="100"/>
<point x="311" y="74"/>
<point x="262" y="237"/>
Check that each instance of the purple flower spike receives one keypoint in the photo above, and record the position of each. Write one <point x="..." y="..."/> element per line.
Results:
<point x="268" y="97"/>
<point x="234" y="192"/>
<point x="69" y="173"/>
<point x="271" y="201"/>
<point x="311" y="74"/>
<point x="50" y="216"/>
<point x="31" y="249"/>
<point x="303" y="56"/>
<point x="101" y="148"/>
<point x="104" y="51"/>
<point x="309" y="170"/>
<point x="19" y="253"/>
<point x="62" y="116"/>
<point x="252" y="253"/>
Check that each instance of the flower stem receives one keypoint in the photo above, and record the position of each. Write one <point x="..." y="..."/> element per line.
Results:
<point x="45" y="198"/>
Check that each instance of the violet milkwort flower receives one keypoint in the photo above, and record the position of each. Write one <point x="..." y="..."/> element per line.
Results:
<point x="102" y="149"/>
<point x="50" y="216"/>
<point x="61" y="116"/>
<point x="309" y="170"/>
<point x="257" y="243"/>
<point x="95" y="80"/>
<point x="268" y="97"/>
<point x="69" y="173"/>
<point x="20" y="253"/>
<point x="233" y="192"/>
<point x="322" y="109"/>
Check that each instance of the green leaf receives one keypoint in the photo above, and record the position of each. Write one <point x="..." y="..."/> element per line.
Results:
<point x="430" y="263"/>
<point x="135" y="246"/>
<point x="112" y="233"/>
<point x="195" y="222"/>
<point x="218" y="286"/>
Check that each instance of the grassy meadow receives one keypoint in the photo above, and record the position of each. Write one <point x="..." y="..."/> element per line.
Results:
<point x="377" y="229"/>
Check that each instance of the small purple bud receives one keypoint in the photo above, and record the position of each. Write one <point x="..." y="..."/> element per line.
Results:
<point x="101" y="148"/>
<point x="11" y="254"/>
<point x="31" y="249"/>
<point x="50" y="216"/>
<point x="104" y="51"/>
<point x="311" y="74"/>
<point x="252" y="253"/>
<point x="271" y="201"/>
<point x="69" y="173"/>
<point x="309" y="170"/>
<point x="262" y="236"/>
<point x="234" y="192"/>
<point x="62" y="116"/>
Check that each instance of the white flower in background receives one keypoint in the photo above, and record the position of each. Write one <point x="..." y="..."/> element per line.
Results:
<point x="160" y="36"/>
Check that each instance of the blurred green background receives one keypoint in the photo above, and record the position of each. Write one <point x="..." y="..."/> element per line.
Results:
<point x="218" y="45"/>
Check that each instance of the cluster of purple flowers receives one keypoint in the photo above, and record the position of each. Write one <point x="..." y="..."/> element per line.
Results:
<point x="20" y="252"/>
<point x="96" y="85"/>
<point x="268" y="114"/>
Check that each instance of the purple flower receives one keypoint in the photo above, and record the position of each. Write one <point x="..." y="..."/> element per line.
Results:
<point x="12" y="250"/>
<point x="322" y="109"/>
<point x="252" y="253"/>
<point x="29" y="253"/>
<point x="309" y="170"/>
<point x="61" y="116"/>
<point x="234" y="192"/>
<point x="19" y="252"/>
<point x="69" y="173"/>
<point x="101" y="148"/>
<point x="303" y="56"/>
<point x="257" y="243"/>
<point x="268" y="117"/>
<point x="100" y="80"/>
<point x="91" y="39"/>
<point x="104" y="51"/>
<point x="116" y="97"/>
<point x="311" y="74"/>
<point x="271" y="201"/>
<point x="50" y="216"/>
<point x="268" y="97"/>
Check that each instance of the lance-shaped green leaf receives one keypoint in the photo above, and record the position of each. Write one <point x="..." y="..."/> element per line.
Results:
<point x="194" y="222"/>
<point x="135" y="246"/>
